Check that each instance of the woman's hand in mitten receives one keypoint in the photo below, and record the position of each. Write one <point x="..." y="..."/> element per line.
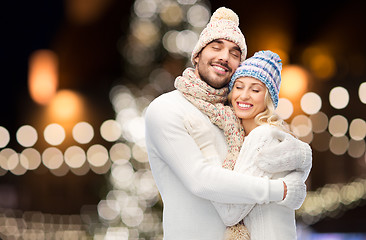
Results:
<point x="285" y="154"/>
<point x="202" y="133"/>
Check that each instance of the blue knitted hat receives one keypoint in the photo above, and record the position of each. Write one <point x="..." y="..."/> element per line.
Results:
<point x="265" y="66"/>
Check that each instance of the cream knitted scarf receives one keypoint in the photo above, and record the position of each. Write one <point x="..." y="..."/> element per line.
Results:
<point x="211" y="102"/>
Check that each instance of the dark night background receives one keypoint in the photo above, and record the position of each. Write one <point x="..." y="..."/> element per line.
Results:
<point x="91" y="64"/>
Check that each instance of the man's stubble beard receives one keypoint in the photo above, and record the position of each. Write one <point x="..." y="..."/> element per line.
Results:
<point x="207" y="80"/>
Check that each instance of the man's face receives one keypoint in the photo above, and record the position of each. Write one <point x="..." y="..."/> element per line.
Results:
<point x="217" y="62"/>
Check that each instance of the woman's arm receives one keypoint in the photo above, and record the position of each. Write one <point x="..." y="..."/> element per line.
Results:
<point x="170" y="141"/>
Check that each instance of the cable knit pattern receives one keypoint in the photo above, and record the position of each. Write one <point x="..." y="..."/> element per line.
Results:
<point x="260" y="219"/>
<point x="211" y="102"/>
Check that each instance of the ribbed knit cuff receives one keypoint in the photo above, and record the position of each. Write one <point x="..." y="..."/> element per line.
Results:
<point x="276" y="190"/>
<point x="296" y="194"/>
<point x="306" y="152"/>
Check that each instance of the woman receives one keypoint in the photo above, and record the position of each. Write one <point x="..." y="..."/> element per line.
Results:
<point x="268" y="149"/>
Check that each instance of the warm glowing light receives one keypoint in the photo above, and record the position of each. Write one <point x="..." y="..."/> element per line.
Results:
<point x="186" y="41"/>
<point x="52" y="158"/>
<point x="338" y="125"/>
<point x="320" y="61"/>
<point x="338" y="145"/>
<point x="356" y="148"/>
<point x="146" y="32"/>
<point x="323" y="66"/>
<point x="139" y="153"/>
<point x="75" y="157"/>
<point x="66" y="105"/>
<point x="54" y="134"/>
<point x="170" y="41"/>
<point x="86" y="11"/>
<point x="311" y="103"/>
<point x="301" y="125"/>
<point x="83" y="132"/>
<point x="43" y="76"/>
<point x="97" y="155"/>
<point x="145" y="8"/>
<point x="284" y="108"/>
<point x="357" y="129"/>
<point x="4" y="137"/>
<point x="110" y="130"/>
<point x="30" y="158"/>
<point x="339" y="97"/>
<point x="294" y="82"/>
<point x="171" y="14"/>
<point x="120" y="152"/>
<point x="362" y="92"/>
<point x="9" y="159"/>
<point x="319" y="121"/>
<point x="27" y="136"/>
<point x="198" y="15"/>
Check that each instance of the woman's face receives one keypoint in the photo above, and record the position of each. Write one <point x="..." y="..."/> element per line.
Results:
<point x="248" y="97"/>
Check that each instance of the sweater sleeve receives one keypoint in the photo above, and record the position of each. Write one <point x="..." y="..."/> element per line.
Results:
<point x="170" y="141"/>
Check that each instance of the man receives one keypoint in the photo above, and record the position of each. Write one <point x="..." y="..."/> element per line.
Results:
<point x="186" y="180"/>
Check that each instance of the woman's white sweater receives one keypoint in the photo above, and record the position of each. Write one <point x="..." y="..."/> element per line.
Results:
<point x="187" y="181"/>
<point x="261" y="156"/>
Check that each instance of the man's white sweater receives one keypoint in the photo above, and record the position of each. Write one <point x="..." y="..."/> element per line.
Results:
<point x="187" y="182"/>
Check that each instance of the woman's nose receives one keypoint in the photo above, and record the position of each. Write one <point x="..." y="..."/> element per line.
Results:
<point x="244" y="94"/>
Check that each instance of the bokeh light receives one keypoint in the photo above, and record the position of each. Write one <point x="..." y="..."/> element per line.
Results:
<point x="338" y="145"/>
<point x="4" y="137"/>
<point x="339" y="97"/>
<point x="146" y="32"/>
<point x="75" y="157"/>
<point x="171" y="13"/>
<point x="83" y="132"/>
<point x="356" y="148"/>
<point x="294" y="82"/>
<point x="52" y="158"/>
<point x="357" y="129"/>
<point x="301" y="125"/>
<point x="284" y="108"/>
<point x="9" y="159"/>
<point x="43" y="76"/>
<point x="362" y="92"/>
<point x="27" y="136"/>
<point x="198" y="16"/>
<point x="54" y="134"/>
<point x="145" y="8"/>
<point x="185" y="41"/>
<point x="97" y="155"/>
<point x="319" y="121"/>
<point x="311" y="103"/>
<point x="120" y="152"/>
<point x="338" y="126"/>
<point x="30" y="158"/>
<point x="110" y="130"/>
<point x="66" y="105"/>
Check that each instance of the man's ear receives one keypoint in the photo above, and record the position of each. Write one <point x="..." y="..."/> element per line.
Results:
<point x="196" y="58"/>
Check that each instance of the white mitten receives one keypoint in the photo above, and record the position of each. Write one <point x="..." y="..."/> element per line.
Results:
<point x="296" y="190"/>
<point x="286" y="154"/>
<point x="202" y="134"/>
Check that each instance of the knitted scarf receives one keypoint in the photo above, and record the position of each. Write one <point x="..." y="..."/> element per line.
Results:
<point x="211" y="102"/>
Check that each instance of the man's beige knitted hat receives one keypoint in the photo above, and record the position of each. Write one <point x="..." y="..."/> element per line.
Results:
<point x="224" y="24"/>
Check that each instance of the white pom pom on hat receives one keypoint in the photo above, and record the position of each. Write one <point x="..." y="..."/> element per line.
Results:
<point x="224" y="24"/>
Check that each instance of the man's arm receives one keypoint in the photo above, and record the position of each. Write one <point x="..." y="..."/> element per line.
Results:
<point x="169" y="138"/>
